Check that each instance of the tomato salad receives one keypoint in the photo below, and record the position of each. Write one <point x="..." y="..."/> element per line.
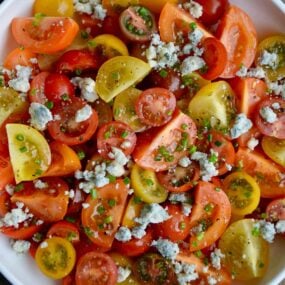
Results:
<point x="143" y="142"/>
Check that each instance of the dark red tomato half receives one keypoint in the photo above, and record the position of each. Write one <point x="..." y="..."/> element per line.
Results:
<point x="134" y="247"/>
<point x="77" y="60"/>
<point x="176" y="228"/>
<point x="96" y="268"/>
<point x="37" y="90"/>
<point x="212" y="10"/>
<point x="155" y="106"/>
<point x="275" y="210"/>
<point x="58" y="88"/>
<point x="65" y="129"/>
<point x="115" y="134"/>
<point x="272" y="106"/>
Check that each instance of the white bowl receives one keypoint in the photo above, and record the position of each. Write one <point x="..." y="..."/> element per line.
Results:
<point x="269" y="18"/>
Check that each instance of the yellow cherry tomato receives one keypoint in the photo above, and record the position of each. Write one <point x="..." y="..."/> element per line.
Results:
<point x="274" y="67"/>
<point x="10" y="102"/>
<point x="109" y="45"/>
<point x="124" y="109"/>
<point x="246" y="253"/>
<point x="29" y="152"/>
<point x="146" y="186"/>
<point x="126" y="263"/>
<point x="156" y="5"/>
<point x="132" y="211"/>
<point x="243" y="192"/>
<point x="274" y="148"/>
<point x="55" y="257"/>
<point x="118" y="74"/>
<point x="54" y="8"/>
<point x="213" y="105"/>
<point x="118" y="3"/>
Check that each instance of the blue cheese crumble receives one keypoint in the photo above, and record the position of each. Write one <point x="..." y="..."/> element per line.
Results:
<point x="40" y="116"/>
<point x="87" y="88"/>
<point x="90" y="7"/>
<point x="21" y="82"/>
<point x="241" y="125"/>
<point x="123" y="273"/>
<point x="83" y="114"/>
<point x="166" y="248"/>
<point x="20" y="246"/>
<point x="190" y="64"/>
<point x="123" y="234"/>
<point x="185" y="272"/>
<point x="268" y="114"/>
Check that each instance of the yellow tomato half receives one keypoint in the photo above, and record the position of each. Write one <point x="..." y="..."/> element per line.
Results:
<point x="132" y="211"/>
<point x="274" y="148"/>
<point x="54" y="8"/>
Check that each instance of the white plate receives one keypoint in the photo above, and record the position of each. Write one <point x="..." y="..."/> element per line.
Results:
<point x="21" y="270"/>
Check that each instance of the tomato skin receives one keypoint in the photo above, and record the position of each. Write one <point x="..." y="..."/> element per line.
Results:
<point x="36" y="93"/>
<point x="73" y="60"/>
<point x="65" y="230"/>
<point x="213" y="10"/>
<point x="6" y="171"/>
<point x="215" y="56"/>
<point x="219" y="214"/>
<point x="21" y="233"/>
<point x="35" y="37"/>
<point x="155" y="106"/>
<point x="167" y="136"/>
<point x="275" y="210"/>
<point x="56" y="86"/>
<point x="277" y="128"/>
<point x="135" y="247"/>
<point x="236" y="24"/>
<point x="96" y="268"/>
<point x="47" y="205"/>
<point x="112" y="134"/>
<point x="176" y="228"/>
<point x="4" y="203"/>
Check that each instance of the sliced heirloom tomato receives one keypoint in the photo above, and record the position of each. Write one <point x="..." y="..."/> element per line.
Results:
<point x="44" y="34"/>
<point x="160" y="148"/>
<point x="103" y="216"/>
<point x="155" y="6"/>
<point x="270" y="117"/>
<point x="67" y="130"/>
<point x="237" y="32"/>
<point x="36" y="93"/>
<point x="275" y="149"/>
<point x="55" y="257"/>
<point x="267" y="174"/>
<point x="4" y="201"/>
<point x="58" y="8"/>
<point x="177" y="227"/>
<point x="170" y="17"/>
<point x="48" y="203"/>
<point x="64" y="160"/>
<point x="96" y="268"/>
<point x="115" y="134"/>
<point x="243" y="192"/>
<point x="6" y="172"/>
<point x="21" y="233"/>
<point x="155" y="106"/>
<point x="210" y="215"/>
<point x="275" y="210"/>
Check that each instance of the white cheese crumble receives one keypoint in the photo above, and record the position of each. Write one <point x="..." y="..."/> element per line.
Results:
<point x="166" y="248"/>
<point x="118" y="155"/>
<point x="194" y="8"/>
<point x="83" y="114"/>
<point x="211" y="280"/>
<point x="278" y="88"/>
<point x="267" y="230"/>
<point x="216" y="257"/>
<point x="190" y="64"/>
<point x="269" y="59"/>
<point x="39" y="184"/>
<point x="90" y="7"/>
<point x="10" y="189"/>
<point x="40" y="116"/>
<point x="268" y="114"/>
<point x="184" y="161"/>
<point x="87" y="87"/>
<point x="257" y="72"/>
<point x="44" y="244"/>
<point x="161" y="54"/>
<point x="241" y="125"/>
<point x="280" y="227"/>
<point x="123" y="273"/>
<point x="21" y="82"/>
<point x="179" y="197"/>
<point x="123" y="234"/>
<point x="185" y="272"/>
<point x="186" y="209"/>
<point x="20" y="246"/>
<point x="252" y="143"/>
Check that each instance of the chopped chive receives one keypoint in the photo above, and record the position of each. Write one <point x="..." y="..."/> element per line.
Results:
<point x="124" y="134"/>
<point x="192" y="149"/>
<point x="93" y="193"/>
<point x="81" y="154"/>
<point x="111" y="178"/>
<point x="108" y="220"/>
<point x="218" y="143"/>
<point x="23" y="149"/>
<point x="19" y="187"/>
<point x="112" y="203"/>
<point x="49" y="104"/>
<point x="200" y="236"/>
<point x="70" y="219"/>
<point x="20" y="137"/>
<point x="127" y="180"/>
<point x="163" y="73"/>
<point x="137" y="200"/>
<point x="184" y="127"/>
<point x="100" y="209"/>
<point x="64" y="97"/>
<point x="78" y="72"/>
<point x="193" y="26"/>
<point x="182" y="225"/>
<point x="255" y="231"/>
<point x="208" y="208"/>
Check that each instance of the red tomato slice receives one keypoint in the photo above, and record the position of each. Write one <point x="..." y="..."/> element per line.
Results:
<point x="45" y="35"/>
<point x="155" y="106"/>
<point x="277" y="128"/>
<point x="4" y="203"/>
<point x="160" y="148"/>
<point x="48" y="204"/>
<point x="176" y="228"/>
<point x="215" y="56"/>
<point x="6" y="172"/>
<point x="265" y="171"/>
<point x="64" y="229"/>
<point x="20" y="233"/>
<point x="96" y="268"/>
<point x="135" y="247"/>
<point x="244" y="138"/>
<point x="67" y="130"/>
<point x="275" y="210"/>
<point x="211" y="212"/>
<point x="36" y="93"/>
<point x="179" y="179"/>
<point x="237" y="32"/>
<point x="76" y="60"/>
<point x="170" y="16"/>
<point x="103" y="216"/>
<point x="114" y="134"/>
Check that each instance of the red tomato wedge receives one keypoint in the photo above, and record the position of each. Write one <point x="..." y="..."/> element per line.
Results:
<point x="64" y="229"/>
<point x="4" y="203"/>
<point x="36" y="93"/>
<point x="103" y="216"/>
<point x="48" y="203"/>
<point x="160" y="148"/>
<point x="211" y="212"/>
<point x="169" y="17"/>
<point x="20" y="233"/>
<point x="267" y="174"/>
<point x="44" y="35"/>
<point x="6" y="172"/>
<point x="237" y="32"/>
<point x="275" y="210"/>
